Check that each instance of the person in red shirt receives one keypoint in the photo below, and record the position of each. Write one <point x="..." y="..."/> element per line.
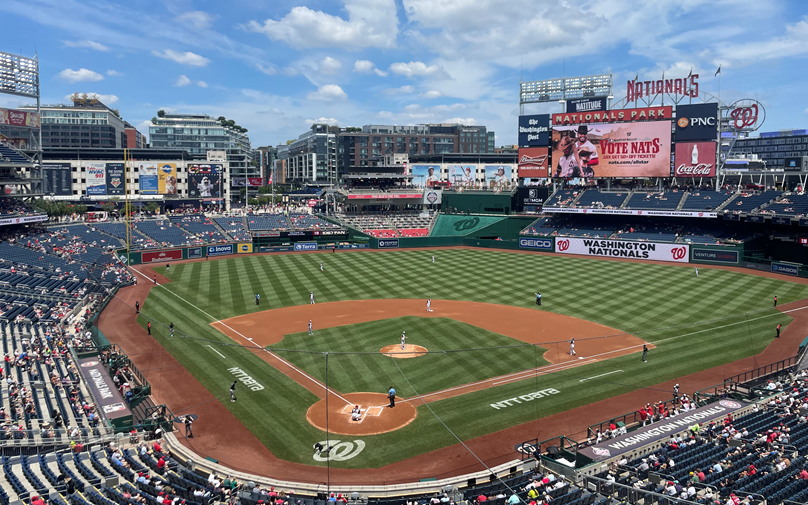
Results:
<point x="161" y="463"/>
<point x="803" y="474"/>
<point x="481" y="498"/>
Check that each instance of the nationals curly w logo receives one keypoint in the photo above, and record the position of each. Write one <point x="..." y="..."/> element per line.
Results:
<point x="562" y="245"/>
<point x="466" y="224"/>
<point x="678" y="253"/>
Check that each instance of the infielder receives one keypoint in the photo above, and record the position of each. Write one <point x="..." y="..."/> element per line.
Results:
<point x="311" y="298"/>
<point x="572" y="346"/>
<point x="310" y="332"/>
<point x="429" y="305"/>
<point x="403" y="338"/>
<point x="645" y="352"/>
<point x="233" y="391"/>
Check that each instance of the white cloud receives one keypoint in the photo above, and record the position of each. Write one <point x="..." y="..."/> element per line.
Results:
<point x="106" y="99"/>
<point x="202" y="84"/>
<point x="114" y="73"/>
<point x="289" y="71"/>
<point x="403" y="90"/>
<point x="433" y="93"/>
<point x="328" y="93"/>
<point x="80" y="75"/>
<point x="415" y="68"/>
<point x="269" y="70"/>
<point x="326" y="120"/>
<point x="197" y="19"/>
<point x="461" y="120"/>
<point x="386" y="114"/>
<point x="182" y="81"/>
<point x="329" y="66"/>
<point x="370" y="23"/>
<point x="366" y="67"/>
<point x="186" y="58"/>
<point x="87" y="44"/>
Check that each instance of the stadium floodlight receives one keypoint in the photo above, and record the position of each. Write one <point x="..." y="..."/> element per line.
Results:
<point x="19" y="75"/>
<point x="566" y="88"/>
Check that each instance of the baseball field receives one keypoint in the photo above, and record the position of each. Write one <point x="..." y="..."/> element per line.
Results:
<point x="485" y="359"/>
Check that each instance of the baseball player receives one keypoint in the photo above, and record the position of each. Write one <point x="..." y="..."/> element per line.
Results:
<point x="429" y="305"/>
<point x="433" y="258"/>
<point x="697" y="271"/>
<point x="233" y="391"/>
<point x="403" y="338"/>
<point x="572" y="346"/>
<point x="310" y="332"/>
<point x="311" y="298"/>
<point x="321" y="266"/>
<point x="356" y="413"/>
<point x="645" y="353"/>
<point x="778" y="330"/>
<point x="171" y="327"/>
<point x="775" y="300"/>
<point x="257" y="299"/>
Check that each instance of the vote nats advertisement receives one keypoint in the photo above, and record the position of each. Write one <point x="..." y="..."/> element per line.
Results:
<point x="641" y="149"/>
<point x="694" y="159"/>
<point x="678" y="253"/>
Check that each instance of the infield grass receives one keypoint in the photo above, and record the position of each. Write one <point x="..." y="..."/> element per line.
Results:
<point x="695" y="322"/>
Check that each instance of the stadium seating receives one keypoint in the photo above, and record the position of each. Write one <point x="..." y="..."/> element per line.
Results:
<point x="666" y="200"/>
<point x="268" y="222"/>
<point x="585" y="232"/>
<point x="705" y="201"/>
<point x="199" y="227"/>
<point x="234" y="226"/>
<point x="542" y="226"/>
<point x="790" y="204"/>
<point x="646" y="234"/>
<point x="309" y="222"/>
<point x="746" y="203"/>
<point x="593" y="198"/>
<point x="10" y="155"/>
<point x="562" y="198"/>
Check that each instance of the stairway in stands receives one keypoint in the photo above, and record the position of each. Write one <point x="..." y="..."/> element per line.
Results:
<point x="11" y="155"/>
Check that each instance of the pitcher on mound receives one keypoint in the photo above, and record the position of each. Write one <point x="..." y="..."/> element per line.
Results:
<point x="403" y="338"/>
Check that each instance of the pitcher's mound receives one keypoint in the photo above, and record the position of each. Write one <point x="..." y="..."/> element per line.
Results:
<point x="409" y="351"/>
<point x="377" y="417"/>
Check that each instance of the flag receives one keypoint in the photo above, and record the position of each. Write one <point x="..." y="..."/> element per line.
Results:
<point x="270" y="178"/>
<point x="691" y="73"/>
<point x="637" y="77"/>
<point x="718" y="71"/>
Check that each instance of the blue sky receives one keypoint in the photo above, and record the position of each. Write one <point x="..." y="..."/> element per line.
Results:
<point x="276" y="66"/>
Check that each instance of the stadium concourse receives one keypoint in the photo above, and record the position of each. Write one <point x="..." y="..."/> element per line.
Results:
<point x="59" y="427"/>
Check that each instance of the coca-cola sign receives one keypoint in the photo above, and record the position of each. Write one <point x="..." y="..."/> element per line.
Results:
<point x="694" y="159"/>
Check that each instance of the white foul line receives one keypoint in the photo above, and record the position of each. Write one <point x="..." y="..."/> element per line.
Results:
<point x="601" y="375"/>
<point x="301" y="372"/>
<point x="217" y="352"/>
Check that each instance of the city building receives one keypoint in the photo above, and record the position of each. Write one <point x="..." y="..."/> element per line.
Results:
<point x="369" y="146"/>
<point x="312" y="158"/>
<point x="771" y="147"/>
<point x="88" y="123"/>
<point x="134" y="139"/>
<point x="200" y="133"/>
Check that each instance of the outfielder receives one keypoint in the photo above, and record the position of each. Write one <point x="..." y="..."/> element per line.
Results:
<point x="311" y="298"/>
<point x="433" y="258"/>
<point x="321" y="266"/>
<point x="429" y="305"/>
<point x="310" y="332"/>
<point x="233" y="391"/>
<point x="572" y="346"/>
<point x="697" y="271"/>
<point x="403" y="338"/>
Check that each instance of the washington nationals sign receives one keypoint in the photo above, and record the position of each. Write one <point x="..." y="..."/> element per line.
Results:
<point x="679" y="253"/>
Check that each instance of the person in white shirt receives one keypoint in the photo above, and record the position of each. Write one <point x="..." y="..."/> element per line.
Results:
<point x="356" y="413"/>
<point x="431" y="178"/>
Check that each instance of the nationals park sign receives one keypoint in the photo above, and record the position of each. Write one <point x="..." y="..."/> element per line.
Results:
<point x="678" y="253"/>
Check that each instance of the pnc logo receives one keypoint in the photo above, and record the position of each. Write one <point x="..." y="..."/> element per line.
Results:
<point x="467" y="224"/>
<point x="563" y="245"/>
<point x="678" y="252"/>
<point x="683" y="122"/>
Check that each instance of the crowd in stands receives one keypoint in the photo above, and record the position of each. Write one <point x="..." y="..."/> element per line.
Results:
<point x="13" y="207"/>
<point x="389" y="225"/>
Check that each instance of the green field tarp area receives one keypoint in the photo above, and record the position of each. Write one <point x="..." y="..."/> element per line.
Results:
<point x="460" y="225"/>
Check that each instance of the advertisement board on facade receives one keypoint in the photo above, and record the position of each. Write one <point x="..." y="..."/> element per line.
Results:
<point x="694" y="159"/>
<point x="58" y="178"/>
<point x="533" y="196"/>
<point x="167" y="178"/>
<point x="498" y="175"/>
<point x="785" y="268"/>
<point x="612" y="150"/>
<point x="425" y="175"/>
<point x="245" y="248"/>
<point x="697" y="121"/>
<point x="217" y="155"/>
<point x="194" y="252"/>
<point x="14" y="117"/>
<point x="385" y="196"/>
<point x="716" y="255"/>
<point x="614" y="116"/>
<point x="541" y="244"/>
<point x="115" y="179"/>
<point x="388" y="243"/>
<point x="533" y="162"/>
<point x="105" y="392"/>
<point x="204" y="185"/>
<point x="632" y="212"/>
<point x="534" y="130"/>
<point x="306" y="246"/>
<point x="219" y="250"/>
<point x="147" y="175"/>
<point x="433" y="197"/>
<point x="678" y="253"/>
<point x="462" y="175"/>
<point x="155" y="256"/>
<point x="586" y="105"/>
<point x="96" y="178"/>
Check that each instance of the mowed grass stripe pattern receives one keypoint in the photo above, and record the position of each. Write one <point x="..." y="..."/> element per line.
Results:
<point x="631" y="297"/>
<point x="350" y="373"/>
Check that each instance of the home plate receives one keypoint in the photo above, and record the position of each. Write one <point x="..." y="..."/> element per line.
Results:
<point x="374" y="411"/>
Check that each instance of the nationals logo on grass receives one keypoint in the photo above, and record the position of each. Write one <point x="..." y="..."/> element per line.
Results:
<point x="624" y="249"/>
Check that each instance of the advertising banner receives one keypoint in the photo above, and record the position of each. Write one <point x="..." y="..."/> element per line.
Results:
<point x="433" y="196"/>
<point x="245" y="248"/>
<point x="586" y="105"/>
<point x="533" y="162"/>
<point x="697" y="121"/>
<point x="58" y="178"/>
<point x="629" y="212"/>
<point x="238" y="182"/>
<point x="19" y="118"/>
<point x="219" y="250"/>
<point x="204" y="168"/>
<point x="103" y="388"/>
<point x="155" y="256"/>
<point x="497" y="175"/>
<point x="255" y="181"/>
<point x="754" y="219"/>
<point x="612" y="150"/>
<point x="22" y="220"/>
<point x="167" y="178"/>
<point x="532" y="196"/>
<point x="306" y="246"/>
<point x="425" y="175"/>
<point x="147" y="174"/>
<point x="115" y="179"/>
<point x="534" y="130"/>
<point x="462" y="175"/>
<point x="388" y="243"/>
<point x="694" y="159"/>
<point x="663" y="429"/>
<point x="614" y="116"/>
<point x="678" y="253"/>
<point x="202" y="185"/>
<point x="541" y="244"/>
<point x="194" y="252"/>
<point x="96" y="178"/>
<point x="786" y="268"/>
<point x="384" y="196"/>
<point x="716" y="255"/>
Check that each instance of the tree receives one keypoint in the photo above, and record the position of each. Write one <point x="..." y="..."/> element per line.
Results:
<point x="230" y="123"/>
<point x="116" y="112"/>
<point x="289" y="141"/>
<point x="152" y="207"/>
<point x="352" y="129"/>
<point x="221" y="118"/>
<point x="153" y="120"/>
<point x="75" y="97"/>
<point x="108" y="206"/>
<point x="161" y="113"/>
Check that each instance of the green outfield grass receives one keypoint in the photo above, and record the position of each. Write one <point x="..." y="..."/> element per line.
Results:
<point x="696" y="323"/>
<point x="372" y="371"/>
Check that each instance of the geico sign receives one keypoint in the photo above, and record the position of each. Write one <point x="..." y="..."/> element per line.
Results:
<point x="536" y="243"/>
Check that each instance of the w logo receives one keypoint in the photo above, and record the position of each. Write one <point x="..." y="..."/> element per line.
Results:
<point x="678" y="253"/>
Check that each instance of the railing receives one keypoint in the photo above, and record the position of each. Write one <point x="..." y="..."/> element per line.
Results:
<point x="158" y="416"/>
<point x="710" y="394"/>
<point x="627" y="420"/>
<point x="120" y="359"/>
<point x="14" y="441"/>
<point x="629" y="494"/>
<point x="763" y="371"/>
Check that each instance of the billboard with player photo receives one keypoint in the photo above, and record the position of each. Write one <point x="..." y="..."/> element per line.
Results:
<point x="462" y="175"/>
<point x="612" y="150"/>
<point x="201" y="185"/>
<point x="498" y="175"/>
<point x="425" y="175"/>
